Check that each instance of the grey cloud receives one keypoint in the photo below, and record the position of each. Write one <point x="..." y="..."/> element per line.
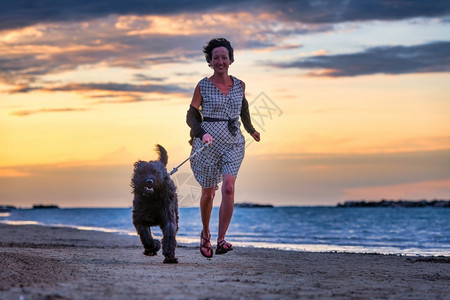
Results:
<point x="25" y="68"/>
<point x="118" y="93"/>
<point x="128" y="51"/>
<point x="142" y="51"/>
<point x="334" y="11"/>
<point x="23" y="89"/>
<point x="21" y="13"/>
<point x="427" y="58"/>
<point x="122" y="87"/>
<point x="143" y="77"/>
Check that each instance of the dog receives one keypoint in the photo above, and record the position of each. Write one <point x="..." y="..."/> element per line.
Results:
<point x="155" y="203"/>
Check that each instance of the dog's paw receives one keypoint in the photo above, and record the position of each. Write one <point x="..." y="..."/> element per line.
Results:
<point x="169" y="260"/>
<point x="156" y="245"/>
<point x="150" y="252"/>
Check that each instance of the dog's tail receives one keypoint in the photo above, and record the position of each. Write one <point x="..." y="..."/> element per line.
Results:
<point x="162" y="153"/>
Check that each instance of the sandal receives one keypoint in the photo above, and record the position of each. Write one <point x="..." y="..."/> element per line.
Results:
<point x="204" y="241"/>
<point x="223" y="247"/>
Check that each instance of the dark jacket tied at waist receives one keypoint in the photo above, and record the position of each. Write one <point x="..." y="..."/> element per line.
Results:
<point x="194" y="120"/>
<point x="232" y="124"/>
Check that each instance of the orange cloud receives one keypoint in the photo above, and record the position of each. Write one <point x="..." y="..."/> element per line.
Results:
<point x="23" y="113"/>
<point x="277" y="48"/>
<point x="183" y="24"/>
<point x="13" y="173"/>
<point x="320" y="52"/>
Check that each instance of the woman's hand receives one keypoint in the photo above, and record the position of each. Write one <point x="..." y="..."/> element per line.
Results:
<point x="207" y="138"/>
<point x="256" y="136"/>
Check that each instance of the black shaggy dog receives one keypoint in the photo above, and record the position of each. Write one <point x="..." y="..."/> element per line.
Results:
<point x="155" y="203"/>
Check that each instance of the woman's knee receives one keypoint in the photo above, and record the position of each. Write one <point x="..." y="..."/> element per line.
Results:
<point x="228" y="185"/>
<point x="228" y="189"/>
<point x="208" y="195"/>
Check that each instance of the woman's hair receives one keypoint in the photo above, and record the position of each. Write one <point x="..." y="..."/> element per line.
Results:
<point x="214" y="43"/>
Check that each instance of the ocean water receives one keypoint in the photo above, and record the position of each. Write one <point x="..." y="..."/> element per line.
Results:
<point x="402" y="231"/>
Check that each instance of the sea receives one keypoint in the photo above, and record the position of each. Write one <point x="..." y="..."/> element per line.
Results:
<point x="419" y="231"/>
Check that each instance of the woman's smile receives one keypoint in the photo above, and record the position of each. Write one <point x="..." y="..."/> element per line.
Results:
<point x="220" y="59"/>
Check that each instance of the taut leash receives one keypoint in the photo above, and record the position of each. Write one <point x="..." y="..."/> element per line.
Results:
<point x="192" y="155"/>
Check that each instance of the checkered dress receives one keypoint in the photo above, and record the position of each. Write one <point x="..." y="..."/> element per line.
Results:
<point x="227" y="151"/>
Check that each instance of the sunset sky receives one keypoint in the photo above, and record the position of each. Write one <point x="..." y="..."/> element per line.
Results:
<point x="351" y="97"/>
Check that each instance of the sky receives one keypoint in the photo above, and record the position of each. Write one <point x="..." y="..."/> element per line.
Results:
<point x="351" y="97"/>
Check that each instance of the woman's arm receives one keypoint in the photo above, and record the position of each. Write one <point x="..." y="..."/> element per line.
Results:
<point x="197" y="98"/>
<point x="245" y="117"/>
<point x="194" y="118"/>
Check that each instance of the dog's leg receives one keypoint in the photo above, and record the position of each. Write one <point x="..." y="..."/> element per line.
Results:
<point x="151" y="245"/>
<point x="169" y="242"/>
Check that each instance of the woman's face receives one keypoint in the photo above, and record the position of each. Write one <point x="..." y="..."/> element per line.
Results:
<point x="220" y="60"/>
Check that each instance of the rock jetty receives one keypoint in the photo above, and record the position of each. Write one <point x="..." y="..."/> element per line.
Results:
<point x="396" y="203"/>
<point x="41" y="206"/>
<point x="252" y="205"/>
<point x="6" y="208"/>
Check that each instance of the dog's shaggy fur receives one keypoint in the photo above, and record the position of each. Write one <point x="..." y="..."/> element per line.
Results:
<point x="155" y="204"/>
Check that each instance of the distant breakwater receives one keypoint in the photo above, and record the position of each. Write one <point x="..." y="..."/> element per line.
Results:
<point x="396" y="203"/>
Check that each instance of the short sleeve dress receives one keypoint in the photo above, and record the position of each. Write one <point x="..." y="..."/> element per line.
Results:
<point x="227" y="151"/>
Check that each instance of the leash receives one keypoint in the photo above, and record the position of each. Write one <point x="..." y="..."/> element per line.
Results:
<point x="192" y="155"/>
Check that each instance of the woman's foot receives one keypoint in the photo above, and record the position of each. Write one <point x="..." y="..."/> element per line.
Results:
<point x="223" y="247"/>
<point x="205" y="245"/>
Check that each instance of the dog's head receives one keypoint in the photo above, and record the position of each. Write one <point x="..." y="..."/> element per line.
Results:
<point x="151" y="177"/>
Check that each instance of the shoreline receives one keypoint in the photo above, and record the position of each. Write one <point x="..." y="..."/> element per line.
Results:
<point x="38" y="262"/>
<point x="318" y="248"/>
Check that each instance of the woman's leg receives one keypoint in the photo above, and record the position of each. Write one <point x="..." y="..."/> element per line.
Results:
<point x="206" y="204"/>
<point x="227" y="205"/>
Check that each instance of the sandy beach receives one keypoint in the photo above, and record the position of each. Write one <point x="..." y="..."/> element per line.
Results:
<point x="39" y="262"/>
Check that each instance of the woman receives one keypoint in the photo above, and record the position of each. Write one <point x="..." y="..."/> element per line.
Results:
<point x="221" y="100"/>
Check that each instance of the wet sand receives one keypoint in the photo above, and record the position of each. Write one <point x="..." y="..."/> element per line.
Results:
<point x="39" y="262"/>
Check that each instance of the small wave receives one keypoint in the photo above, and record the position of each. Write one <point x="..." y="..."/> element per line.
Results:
<point x="22" y="223"/>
